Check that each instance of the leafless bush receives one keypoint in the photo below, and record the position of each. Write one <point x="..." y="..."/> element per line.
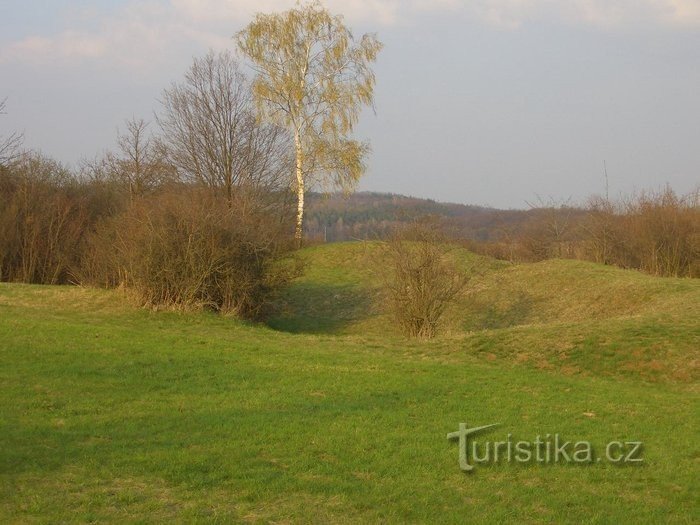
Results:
<point x="601" y="231"/>
<point x="548" y="232"/>
<point x="196" y="218"/>
<point x="656" y="232"/>
<point x="191" y="250"/>
<point x="662" y="234"/>
<point x="420" y="279"/>
<point x="42" y="221"/>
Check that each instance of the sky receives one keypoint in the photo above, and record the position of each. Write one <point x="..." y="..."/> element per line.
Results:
<point x="488" y="102"/>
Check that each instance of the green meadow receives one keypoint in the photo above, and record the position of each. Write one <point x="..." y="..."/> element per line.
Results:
<point x="325" y="414"/>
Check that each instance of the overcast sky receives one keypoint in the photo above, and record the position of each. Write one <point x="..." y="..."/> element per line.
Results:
<point x="488" y="102"/>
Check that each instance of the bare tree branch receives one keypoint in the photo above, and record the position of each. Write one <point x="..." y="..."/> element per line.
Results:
<point x="212" y="136"/>
<point x="10" y="145"/>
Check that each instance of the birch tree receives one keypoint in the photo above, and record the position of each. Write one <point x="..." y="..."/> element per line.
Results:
<point x="313" y="78"/>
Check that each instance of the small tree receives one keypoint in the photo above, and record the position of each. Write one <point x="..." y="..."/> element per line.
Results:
<point x="138" y="167"/>
<point x="600" y="230"/>
<point x="548" y="232"/>
<point x="313" y="78"/>
<point x="420" y="280"/>
<point x="141" y="165"/>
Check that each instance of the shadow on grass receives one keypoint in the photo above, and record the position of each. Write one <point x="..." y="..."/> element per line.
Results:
<point x="320" y="308"/>
<point x="489" y="315"/>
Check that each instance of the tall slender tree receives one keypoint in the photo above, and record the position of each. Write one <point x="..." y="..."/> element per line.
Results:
<point x="313" y="78"/>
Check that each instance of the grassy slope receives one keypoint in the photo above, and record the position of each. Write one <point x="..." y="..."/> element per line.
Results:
<point x="110" y="413"/>
<point x="572" y="316"/>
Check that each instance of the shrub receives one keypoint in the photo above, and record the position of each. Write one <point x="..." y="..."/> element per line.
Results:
<point x="42" y="221"/>
<point x="663" y="234"/>
<point x="420" y="279"/>
<point x="190" y="249"/>
<point x="655" y="232"/>
<point x="658" y="233"/>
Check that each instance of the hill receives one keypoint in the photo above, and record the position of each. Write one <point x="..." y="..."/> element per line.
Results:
<point x="110" y="413"/>
<point x="371" y="215"/>
<point x="564" y="314"/>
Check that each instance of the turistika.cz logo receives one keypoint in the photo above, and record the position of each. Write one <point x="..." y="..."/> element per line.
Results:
<point x="546" y="450"/>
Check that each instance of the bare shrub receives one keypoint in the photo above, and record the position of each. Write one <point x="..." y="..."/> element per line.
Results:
<point x="209" y="204"/>
<point x="655" y="232"/>
<point x="601" y="231"/>
<point x="420" y="279"/>
<point x="548" y="233"/>
<point x="42" y="221"/>
<point x="191" y="250"/>
<point x="662" y="233"/>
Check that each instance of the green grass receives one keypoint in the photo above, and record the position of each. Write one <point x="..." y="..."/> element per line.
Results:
<point x="110" y="413"/>
<point x="571" y="316"/>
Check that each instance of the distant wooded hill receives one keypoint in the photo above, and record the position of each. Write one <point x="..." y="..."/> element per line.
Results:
<point x="368" y="215"/>
<point x="657" y="231"/>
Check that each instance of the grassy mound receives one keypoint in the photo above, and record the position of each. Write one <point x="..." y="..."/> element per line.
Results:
<point x="574" y="316"/>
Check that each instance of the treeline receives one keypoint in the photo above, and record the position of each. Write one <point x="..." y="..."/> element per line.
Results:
<point x="369" y="215"/>
<point x="656" y="232"/>
<point x="194" y="211"/>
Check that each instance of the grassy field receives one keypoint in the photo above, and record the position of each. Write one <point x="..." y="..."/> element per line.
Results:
<point x="109" y="413"/>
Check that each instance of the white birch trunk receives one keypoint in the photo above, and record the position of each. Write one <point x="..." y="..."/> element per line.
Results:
<point x="299" y="231"/>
